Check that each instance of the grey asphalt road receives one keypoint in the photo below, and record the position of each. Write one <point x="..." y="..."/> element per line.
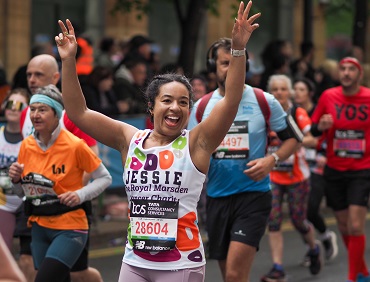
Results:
<point x="108" y="261"/>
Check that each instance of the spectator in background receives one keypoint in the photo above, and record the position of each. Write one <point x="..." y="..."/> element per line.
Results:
<point x="139" y="47"/>
<point x="276" y="58"/>
<point x="99" y="93"/>
<point x="4" y="85"/>
<point x="20" y="77"/>
<point x="122" y="49"/>
<point x="276" y="48"/>
<point x="129" y="83"/>
<point x="171" y="68"/>
<point x="303" y="66"/>
<point x="254" y="75"/>
<point x="211" y="80"/>
<point x="107" y="49"/>
<point x="84" y="55"/>
<point x="199" y="84"/>
<point x="326" y="76"/>
<point x="279" y="64"/>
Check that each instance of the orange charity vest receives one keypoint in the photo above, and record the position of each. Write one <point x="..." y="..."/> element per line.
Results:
<point x="85" y="62"/>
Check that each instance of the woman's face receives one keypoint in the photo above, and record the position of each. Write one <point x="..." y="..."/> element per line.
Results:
<point x="14" y="106"/>
<point x="199" y="88"/>
<point x="280" y="89"/>
<point x="171" y="109"/>
<point x="43" y="118"/>
<point x="106" y="84"/>
<point x="301" y="93"/>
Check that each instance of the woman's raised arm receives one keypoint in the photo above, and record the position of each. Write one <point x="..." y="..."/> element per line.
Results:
<point x="108" y="131"/>
<point x="208" y="134"/>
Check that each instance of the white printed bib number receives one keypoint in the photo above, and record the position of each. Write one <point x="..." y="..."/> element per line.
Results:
<point x="159" y="231"/>
<point x="36" y="186"/>
<point x="146" y="227"/>
<point x="235" y="144"/>
<point x="33" y="191"/>
<point x="153" y="225"/>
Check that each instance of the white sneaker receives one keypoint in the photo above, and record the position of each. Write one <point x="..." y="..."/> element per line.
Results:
<point x="331" y="246"/>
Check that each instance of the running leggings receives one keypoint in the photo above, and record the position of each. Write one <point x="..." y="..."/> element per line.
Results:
<point x="297" y="196"/>
<point x="317" y="193"/>
<point x="137" y="274"/>
<point x="53" y="270"/>
<point x="54" y="252"/>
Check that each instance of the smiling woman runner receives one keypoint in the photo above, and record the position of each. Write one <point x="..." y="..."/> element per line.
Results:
<point x="165" y="166"/>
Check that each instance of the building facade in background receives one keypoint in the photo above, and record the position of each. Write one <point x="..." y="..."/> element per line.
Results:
<point x="24" y="23"/>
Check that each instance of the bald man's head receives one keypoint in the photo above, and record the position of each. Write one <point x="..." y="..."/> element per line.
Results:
<point x="41" y="71"/>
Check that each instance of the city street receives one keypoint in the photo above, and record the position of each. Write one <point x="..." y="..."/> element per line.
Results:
<point x="108" y="261"/>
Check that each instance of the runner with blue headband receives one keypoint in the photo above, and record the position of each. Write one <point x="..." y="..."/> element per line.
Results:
<point x="41" y="98"/>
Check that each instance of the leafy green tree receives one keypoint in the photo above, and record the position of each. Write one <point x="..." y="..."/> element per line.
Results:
<point x="349" y="10"/>
<point x="190" y="15"/>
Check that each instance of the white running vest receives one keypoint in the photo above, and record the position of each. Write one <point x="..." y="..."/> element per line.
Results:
<point x="8" y="155"/>
<point x="163" y="188"/>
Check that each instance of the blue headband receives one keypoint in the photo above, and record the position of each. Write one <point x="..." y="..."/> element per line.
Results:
<point x="41" y="98"/>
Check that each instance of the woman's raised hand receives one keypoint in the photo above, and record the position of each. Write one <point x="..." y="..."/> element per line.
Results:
<point x="243" y="26"/>
<point x="66" y="41"/>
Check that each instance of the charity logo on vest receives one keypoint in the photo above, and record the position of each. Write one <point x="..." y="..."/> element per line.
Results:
<point x="351" y="112"/>
<point x="6" y="159"/>
<point x="148" y="181"/>
<point x="58" y="170"/>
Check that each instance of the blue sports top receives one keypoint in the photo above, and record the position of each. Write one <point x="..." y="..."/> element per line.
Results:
<point x="225" y="176"/>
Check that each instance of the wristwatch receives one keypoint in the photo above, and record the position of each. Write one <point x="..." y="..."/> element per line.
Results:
<point x="276" y="157"/>
<point x="237" y="53"/>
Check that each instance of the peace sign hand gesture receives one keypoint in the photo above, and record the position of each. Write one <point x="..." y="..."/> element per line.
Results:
<point x="243" y="26"/>
<point x="66" y="41"/>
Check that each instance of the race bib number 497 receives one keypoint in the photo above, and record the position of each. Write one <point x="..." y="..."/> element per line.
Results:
<point x="235" y="144"/>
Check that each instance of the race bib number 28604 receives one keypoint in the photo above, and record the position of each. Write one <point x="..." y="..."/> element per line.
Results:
<point x="153" y="225"/>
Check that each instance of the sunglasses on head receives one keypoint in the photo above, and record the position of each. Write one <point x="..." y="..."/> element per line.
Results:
<point x="15" y="105"/>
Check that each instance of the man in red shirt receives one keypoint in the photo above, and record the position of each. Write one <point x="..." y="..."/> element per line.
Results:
<point x="342" y="115"/>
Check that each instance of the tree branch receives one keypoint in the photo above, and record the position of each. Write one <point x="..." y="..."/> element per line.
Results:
<point x="179" y="12"/>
